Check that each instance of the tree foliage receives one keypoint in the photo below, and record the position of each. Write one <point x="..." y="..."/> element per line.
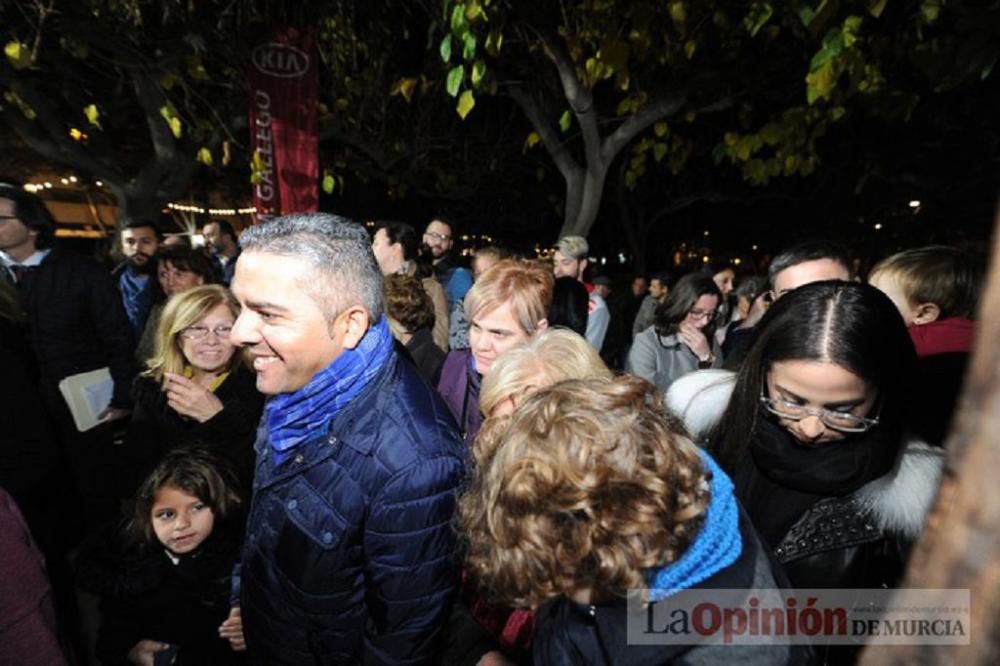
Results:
<point x="135" y="93"/>
<point x="764" y="82"/>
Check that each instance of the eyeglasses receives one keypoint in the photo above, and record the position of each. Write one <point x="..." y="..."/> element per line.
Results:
<point x="842" y="421"/>
<point x="701" y="314"/>
<point x="436" y="235"/>
<point x="199" y="332"/>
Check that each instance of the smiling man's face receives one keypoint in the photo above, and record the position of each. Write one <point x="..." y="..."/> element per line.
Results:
<point x="286" y="331"/>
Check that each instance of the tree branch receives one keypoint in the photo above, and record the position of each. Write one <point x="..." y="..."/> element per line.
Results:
<point x="564" y="161"/>
<point x="580" y="99"/>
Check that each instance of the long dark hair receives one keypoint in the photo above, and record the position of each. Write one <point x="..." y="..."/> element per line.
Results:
<point x="681" y="300"/>
<point x="852" y="325"/>
<point x="569" y="305"/>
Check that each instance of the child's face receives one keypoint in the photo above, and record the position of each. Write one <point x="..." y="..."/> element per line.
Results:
<point x="888" y="283"/>
<point x="181" y="521"/>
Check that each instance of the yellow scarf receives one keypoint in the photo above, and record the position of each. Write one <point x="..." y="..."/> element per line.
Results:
<point x="216" y="383"/>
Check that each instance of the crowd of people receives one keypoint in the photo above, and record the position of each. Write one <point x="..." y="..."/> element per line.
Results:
<point x="334" y="447"/>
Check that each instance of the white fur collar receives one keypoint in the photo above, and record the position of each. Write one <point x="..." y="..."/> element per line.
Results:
<point x="700" y="398"/>
<point x="898" y="502"/>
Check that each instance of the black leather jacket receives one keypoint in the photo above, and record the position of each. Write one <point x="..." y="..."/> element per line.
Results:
<point x="835" y="545"/>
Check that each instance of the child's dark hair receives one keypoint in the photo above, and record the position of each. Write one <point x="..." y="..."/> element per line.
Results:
<point x="197" y="472"/>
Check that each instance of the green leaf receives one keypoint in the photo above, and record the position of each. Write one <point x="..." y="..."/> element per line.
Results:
<point x="205" y="156"/>
<point x="93" y="115"/>
<point x="478" y="72"/>
<point x="329" y="182"/>
<point x="876" y="7"/>
<point x="930" y="10"/>
<point x="465" y="104"/>
<point x="197" y="70"/>
<point x="404" y="87"/>
<point x="678" y="13"/>
<point x="806" y="15"/>
<point x="494" y="40"/>
<point x="455" y="77"/>
<point x="660" y="129"/>
<point x="850" y="32"/>
<point x="473" y="10"/>
<point x="819" y="83"/>
<point x="459" y="24"/>
<point x="659" y="150"/>
<point x="445" y="49"/>
<point x="565" y="120"/>
<point x="771" y="134"/>
<point x="175" y="127"/>
<point x="532" y="140"/>
<point x="760" y="13"/>
<point x="469" y="46"/>
<point x="833" y="45"/>
<point x="18" y="54"/>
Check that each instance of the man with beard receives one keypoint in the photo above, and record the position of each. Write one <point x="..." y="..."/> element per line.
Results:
<point x="140" y="242"/>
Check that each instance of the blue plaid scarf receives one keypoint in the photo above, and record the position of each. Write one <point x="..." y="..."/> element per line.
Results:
<point x="294" y="417"/>
<point x="717" y="545"/>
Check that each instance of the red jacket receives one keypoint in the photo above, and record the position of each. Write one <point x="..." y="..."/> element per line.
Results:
<point x="944" y="336"/>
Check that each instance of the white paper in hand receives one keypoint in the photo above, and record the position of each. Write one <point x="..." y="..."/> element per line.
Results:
<point x="87" y="395"/>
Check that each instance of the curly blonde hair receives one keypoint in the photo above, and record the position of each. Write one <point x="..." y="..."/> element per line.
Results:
<point x="589" y="484"/>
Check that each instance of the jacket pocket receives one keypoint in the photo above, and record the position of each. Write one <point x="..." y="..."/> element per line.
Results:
<point x="316" y="546"/>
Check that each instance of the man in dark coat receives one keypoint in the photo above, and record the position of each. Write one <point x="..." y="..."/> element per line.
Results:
<point x="349" y="548"/>
<point x="75" y="323"/>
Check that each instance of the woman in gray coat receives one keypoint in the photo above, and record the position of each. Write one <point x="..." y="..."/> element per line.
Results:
<point x="682" y="338"/>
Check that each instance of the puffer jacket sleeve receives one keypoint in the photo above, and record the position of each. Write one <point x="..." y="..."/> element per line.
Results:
<point x="412" y="575"/>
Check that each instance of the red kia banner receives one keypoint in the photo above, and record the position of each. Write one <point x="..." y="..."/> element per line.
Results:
<point x="284" y="78"/>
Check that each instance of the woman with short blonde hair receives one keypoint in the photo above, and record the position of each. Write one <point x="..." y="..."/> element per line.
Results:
<point x="526" y="286"/>
<point x="507" y="305"/>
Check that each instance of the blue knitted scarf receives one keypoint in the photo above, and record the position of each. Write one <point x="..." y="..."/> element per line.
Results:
<point x="294" y="417"/>
<point x="717" y="545"/>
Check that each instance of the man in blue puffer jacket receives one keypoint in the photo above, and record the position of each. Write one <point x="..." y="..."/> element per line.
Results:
<point x="348" y="555"/>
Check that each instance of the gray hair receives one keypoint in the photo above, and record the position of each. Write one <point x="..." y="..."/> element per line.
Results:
<point x="573" y="246"/>
<point x="338" y="251"/>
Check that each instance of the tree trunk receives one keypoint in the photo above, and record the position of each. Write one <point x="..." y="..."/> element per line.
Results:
<point x="587" y="202"/>
<point x="961" y="545"/>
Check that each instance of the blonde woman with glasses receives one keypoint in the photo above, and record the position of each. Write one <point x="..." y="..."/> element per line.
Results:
<point x="197" y="387"/>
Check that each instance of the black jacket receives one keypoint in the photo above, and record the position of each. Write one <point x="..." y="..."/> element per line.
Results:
<point x="76" y="322"/>
<point x="156" y="428"/>
<point x="144" y="595"/>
